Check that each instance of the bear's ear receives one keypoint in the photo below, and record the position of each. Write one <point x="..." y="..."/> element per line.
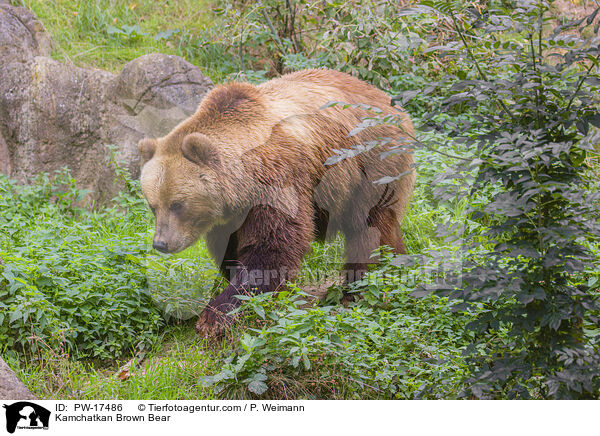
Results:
<point x="147" y="148"/>
<point x="198" y="149"/>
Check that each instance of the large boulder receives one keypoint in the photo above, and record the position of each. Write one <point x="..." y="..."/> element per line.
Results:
<point x="154" y="93"/>
<point x="162" y="82"/>
<point x="54" y="115"/>
<point x="11" y="387"/>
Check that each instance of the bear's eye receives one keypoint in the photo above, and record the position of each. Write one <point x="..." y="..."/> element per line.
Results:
<point x="176" y="206"/>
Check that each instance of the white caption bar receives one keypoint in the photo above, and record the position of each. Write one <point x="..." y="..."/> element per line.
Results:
<point x="90" y="418"/>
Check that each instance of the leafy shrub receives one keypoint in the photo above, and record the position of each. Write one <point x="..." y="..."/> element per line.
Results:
<point x="86" y="281"/>
<point x="62" y="280"/>
<point x="534" y="278"/>
<point x="366" y="39"/>
<point x="388" y="345"/>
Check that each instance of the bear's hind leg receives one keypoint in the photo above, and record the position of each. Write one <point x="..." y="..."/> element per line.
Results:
<point x="387" y="223"/>
<point x="364" y="234"/>
<point x="359" y="246"/>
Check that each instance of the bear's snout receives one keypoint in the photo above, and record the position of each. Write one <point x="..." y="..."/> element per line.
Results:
<point x="160" y="246"/>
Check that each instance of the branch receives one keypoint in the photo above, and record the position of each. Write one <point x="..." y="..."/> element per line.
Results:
<point x="587" y="73"/>
<point x="474" y="59"/>
<point x="273" y="31"/>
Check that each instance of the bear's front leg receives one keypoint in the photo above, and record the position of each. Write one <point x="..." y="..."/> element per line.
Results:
<point x="270" y="248"/>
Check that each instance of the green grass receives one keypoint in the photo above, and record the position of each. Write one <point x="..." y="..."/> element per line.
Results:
<point x="83" y="32"/>
<point x="170" y="371"/>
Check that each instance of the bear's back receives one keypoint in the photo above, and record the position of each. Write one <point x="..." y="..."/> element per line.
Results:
<point x="307" y="91"/>
<point x="240" y="117"/>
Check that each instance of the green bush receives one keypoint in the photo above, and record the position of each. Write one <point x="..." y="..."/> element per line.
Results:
<point x="63" y="280"/>
<point x="532" y="273"/>
<point x="85" y="282"/>
<point x="389" y="345"/>
<point x="366" y="39"/>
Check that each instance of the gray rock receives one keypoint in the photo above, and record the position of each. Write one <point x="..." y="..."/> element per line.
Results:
<point x="162" y="82"/>
<point x="22" y="36"/>
<point x="154" y="93"/>
<point x="11" y="387"/>
<point x="4" y="160"/>
<point x="54" y="115"/>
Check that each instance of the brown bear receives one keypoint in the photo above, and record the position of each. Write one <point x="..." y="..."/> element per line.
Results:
<point x="247" y="172"/>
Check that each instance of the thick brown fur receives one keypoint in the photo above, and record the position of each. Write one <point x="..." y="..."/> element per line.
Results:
<point x="247" y="170"/>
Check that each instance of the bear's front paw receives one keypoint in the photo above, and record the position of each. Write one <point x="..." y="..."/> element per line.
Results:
<point x="214" y="319"/>
<point x="212" y="322"/>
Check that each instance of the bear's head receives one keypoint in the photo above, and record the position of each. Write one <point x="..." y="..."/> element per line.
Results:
<point x="181" y="180"/>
